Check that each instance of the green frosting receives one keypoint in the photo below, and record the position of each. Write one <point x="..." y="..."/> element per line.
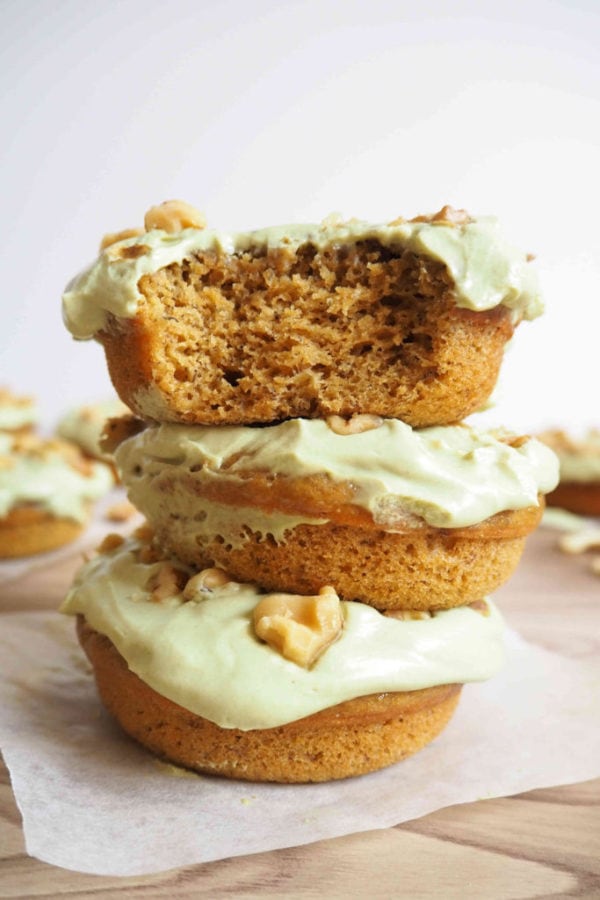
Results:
<point x="486" y="270"/>
<point x="448" y="476"/>
<point x="204" y="655"/>
<point x="49" y="482"/>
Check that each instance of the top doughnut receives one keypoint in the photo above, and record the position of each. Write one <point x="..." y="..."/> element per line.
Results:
<point x="404" y="320"/>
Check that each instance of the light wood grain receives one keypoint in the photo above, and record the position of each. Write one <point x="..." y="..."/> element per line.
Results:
<point x="545" y="843"/>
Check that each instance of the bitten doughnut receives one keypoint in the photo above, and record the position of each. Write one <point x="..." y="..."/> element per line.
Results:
<point x="392" y="516"/>
<point x="405" y="320"/>
<point x="46" y="491"/>
<point x="179" y="663"/>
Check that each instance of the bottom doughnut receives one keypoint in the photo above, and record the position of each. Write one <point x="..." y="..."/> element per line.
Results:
<point x="351" y="738"/>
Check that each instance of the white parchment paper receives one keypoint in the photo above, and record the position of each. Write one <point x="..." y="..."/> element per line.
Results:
<point x="94" y="801"/>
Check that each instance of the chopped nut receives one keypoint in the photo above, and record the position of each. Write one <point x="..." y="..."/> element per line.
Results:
<point x="299" y="627"/>
<point x="447" y="215"/>
<point x="167" y="582"/>
<point x="400" y="220"/>
<point x="205" y="582"/>
<point x="172" y="216"/>
<point x="149" y="554"/>
<point x="407" y="614"/>
<point x="114" y="237"/>
<point x="355" y="424"/>
<point x="110" y="542"/>
<point x="120" y="512"/>
<point x="144" y="532"/>
<point x="482" y="607"/>
<point x="580" y="541"/>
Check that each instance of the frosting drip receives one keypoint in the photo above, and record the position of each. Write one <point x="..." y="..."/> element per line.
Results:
<point x="448" y="476"/>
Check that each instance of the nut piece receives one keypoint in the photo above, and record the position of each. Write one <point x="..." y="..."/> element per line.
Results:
<point x="482" y="607"/>
<point x="408" y="615"/>
<point x="205" y="582"/>
<point x="299" y="627"/>
<point x="144" y="532"/>
<point x="120" y="512"/>
<point x="113" y="237"/>
<point x="355" y="424"/>
<point x="447" y="215"/>
<point x="580" y="541"/>
<point x="167" y="582"/>
<point x="110" y="542"/>
<point x="172" y="216"/>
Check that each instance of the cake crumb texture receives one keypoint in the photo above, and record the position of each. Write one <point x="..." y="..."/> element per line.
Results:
<point x="263" y="335"/>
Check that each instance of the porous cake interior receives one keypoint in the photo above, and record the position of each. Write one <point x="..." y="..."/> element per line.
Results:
<point x="267" y="334"/>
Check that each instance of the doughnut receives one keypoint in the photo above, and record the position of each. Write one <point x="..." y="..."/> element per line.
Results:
<point x="392" y="516"/>
<point x="47" y="488"/>
<point x="179" y="663"/>
<point x="404" y="320"/>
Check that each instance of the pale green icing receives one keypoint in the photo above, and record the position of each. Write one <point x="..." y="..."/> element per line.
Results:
<point x="486" y="270"/>
<point x="17" y="415"/>
<point x="204" y="655"/>
<point x="449" y="476"/>
<point x="84" y="425"/>
<point x="49" y="482"/>
<point x="167" y="503"/>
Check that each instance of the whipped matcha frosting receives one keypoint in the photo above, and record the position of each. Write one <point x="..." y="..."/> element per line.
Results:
<point x="486" y="270"/>
<point x="47" y="480"/>
<point x="205" y="656"/>
<point x="447" y="476"/>
<point x="84" y="425"/>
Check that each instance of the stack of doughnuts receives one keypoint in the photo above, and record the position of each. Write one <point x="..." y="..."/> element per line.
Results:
<point x="311" y="590"/>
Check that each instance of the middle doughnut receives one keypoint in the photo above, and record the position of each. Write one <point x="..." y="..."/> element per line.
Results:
<point x="395" y="517"/>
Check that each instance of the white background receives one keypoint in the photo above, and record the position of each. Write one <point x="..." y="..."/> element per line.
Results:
<point x="267" y="112"/>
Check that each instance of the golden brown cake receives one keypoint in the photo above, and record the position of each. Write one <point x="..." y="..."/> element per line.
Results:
<point x="406" y="320"/>
<point x="579" y="459"/>
<point x="391" y="516"/>
<point x="352" y="738"/>
<point x="47" y="488"/>
<point x="324" y="690"/>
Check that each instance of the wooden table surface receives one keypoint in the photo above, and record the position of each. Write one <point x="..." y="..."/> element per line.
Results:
<point x="544" y="843"/>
